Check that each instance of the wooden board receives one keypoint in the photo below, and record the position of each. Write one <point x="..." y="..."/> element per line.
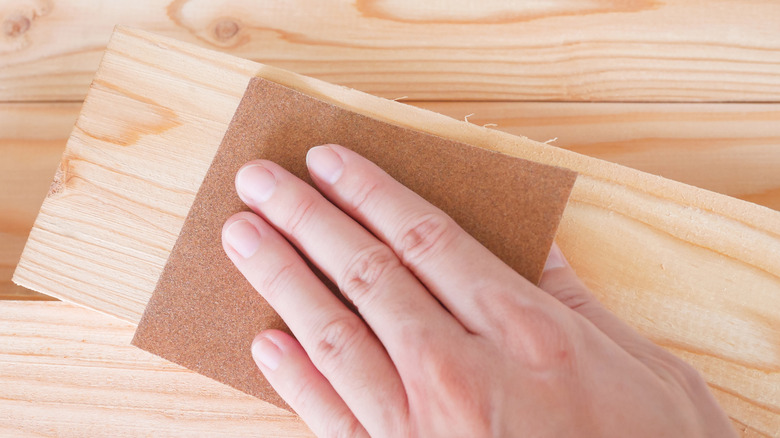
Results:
<point x="643" y="50"/>
<point x="71" y="372"/>
<point x="695" y="271"/>
<point x="728" y="148"/>
<point x="732" y="149"/>
<point x="32" y="137"/>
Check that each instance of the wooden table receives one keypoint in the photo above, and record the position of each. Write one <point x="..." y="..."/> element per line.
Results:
<point x="682" y="89"/>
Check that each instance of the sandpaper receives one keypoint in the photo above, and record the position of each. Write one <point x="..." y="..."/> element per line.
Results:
<point x="204" y="314"/>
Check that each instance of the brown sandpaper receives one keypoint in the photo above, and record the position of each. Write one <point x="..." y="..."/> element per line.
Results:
<point x="204" y="314"/>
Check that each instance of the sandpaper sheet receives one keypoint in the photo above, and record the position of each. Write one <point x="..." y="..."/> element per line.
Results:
<point x="204" y="314"/>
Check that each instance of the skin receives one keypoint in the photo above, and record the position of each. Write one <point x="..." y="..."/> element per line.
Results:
<point x="450" y="341"/>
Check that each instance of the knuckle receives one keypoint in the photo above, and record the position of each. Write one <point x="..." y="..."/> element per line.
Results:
<point x="673" y="369"/>
<point x="364" y="195"/>
<point x="344" y="426"/>
<point x="302" y="394"/>
<point x="303" y="213"/>
<point x="542" y="339"/>
<point x="576" y="298"/>
<point x="364" y="271"/>
<point x="337" y="340"/>
<point x="426" y="236"/>
<point x="451" y="384"/>
<point x="276" y="280"/>
<point x="446" y="377"/>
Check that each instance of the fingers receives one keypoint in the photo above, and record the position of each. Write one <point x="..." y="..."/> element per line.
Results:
<point x="560" y="281"/>
<point x="289" y="370"/>
<point x="336" y="340"/>
<point x="387" y="295"/>
<point x="454" y="266"/>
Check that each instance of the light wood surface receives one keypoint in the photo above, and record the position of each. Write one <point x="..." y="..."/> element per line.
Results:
<point x="643" y="50"/>
<point x="32" y="138"/>
<point x="728" y="148"/>
<point x="66" y="371"/>
<point x="732" y="149"/>
<point x="695" y="271"/>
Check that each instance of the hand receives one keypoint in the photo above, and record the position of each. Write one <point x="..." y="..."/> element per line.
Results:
<point x="452" y="342"/>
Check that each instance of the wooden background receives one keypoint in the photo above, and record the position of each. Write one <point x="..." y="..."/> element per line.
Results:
<point x="684" y="89"/>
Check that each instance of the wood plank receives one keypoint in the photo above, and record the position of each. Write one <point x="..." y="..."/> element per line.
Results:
<point x="66" y="371"/>
<point x="728" y="148"/>
<point x="32" y="138"/>
<point x="645" y="50"/>
<point x="732" y="149"/>
<point x="693" y="270"/>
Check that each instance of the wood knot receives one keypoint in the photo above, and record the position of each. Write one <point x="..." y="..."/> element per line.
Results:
<point x="16" y="25"/>
<point x="226" y="29"/>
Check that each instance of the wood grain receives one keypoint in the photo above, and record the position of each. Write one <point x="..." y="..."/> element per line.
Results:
<point x="693" y="270"/>
<point x="609" y="50"/>
<point x="66" y="371"/>
<point x="732" y="149"/>
<point x="32" y="138"/>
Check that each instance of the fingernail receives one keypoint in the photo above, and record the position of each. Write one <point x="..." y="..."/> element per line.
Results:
<point x="556" y="259"/>
<point x="255" y="183"/>
<point x="324" y="163"/>
<point x="243" y="237"/>
<point x="266" y="353"/>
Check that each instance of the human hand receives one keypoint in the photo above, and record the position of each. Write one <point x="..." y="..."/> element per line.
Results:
<point x="452" y="342"/>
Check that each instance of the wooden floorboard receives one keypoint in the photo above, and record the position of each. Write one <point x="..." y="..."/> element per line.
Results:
<point x="605" y="50"/>
<point x="66" y="371"/>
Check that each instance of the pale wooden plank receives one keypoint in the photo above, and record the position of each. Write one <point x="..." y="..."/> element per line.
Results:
<point x="71" y="372"/>
<point x="500" y="49"/>
<point x="691" y="269"/>
<point x="32" y="138"/>
<point x="732" y="149"/>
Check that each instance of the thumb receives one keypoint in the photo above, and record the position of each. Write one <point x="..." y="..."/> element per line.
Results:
<point x="560" y="281"/>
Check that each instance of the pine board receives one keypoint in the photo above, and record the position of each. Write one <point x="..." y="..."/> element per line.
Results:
<point x="71" y="372"/>
<point x="732" y="149"/>
<point x="608" y="50"/>
<point x="729" y="148"/>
